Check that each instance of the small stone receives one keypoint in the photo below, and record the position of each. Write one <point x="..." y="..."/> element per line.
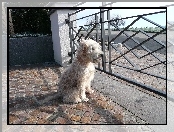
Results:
<point x="75" y="118"/>
<point x="79" y="106"/>
<point x="96" y="117"/>
<point x="34" y="112"/>
<point x="54" y="88"/>
<point x="45" y="88"/>
<point x="29" y="93"/>
<point x="118" y="116"/>
<point x="110" y="107"/>
<point x="39" y="81"/>
<point x="64" y="107"/>
<point x="43" y="115"/>
<point x="32" y="120"/>
<point x="99" y="102"/>
<point x="41" y="121"/>
<point x="104" y="105"/>
<point x="61" y="120"/>
<point x="70" y="111"/>
<point x="101" y="98"/>
<point x="86" y="120"/>
<point x="47" y="109"/>
<point x="18" y="121"/>
<point x="86" y="114"/>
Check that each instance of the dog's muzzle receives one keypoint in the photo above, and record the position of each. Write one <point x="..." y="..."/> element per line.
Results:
<point x="95" y="60"/>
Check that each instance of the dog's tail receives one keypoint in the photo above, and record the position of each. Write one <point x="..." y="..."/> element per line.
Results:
<point x="55" y="96"/>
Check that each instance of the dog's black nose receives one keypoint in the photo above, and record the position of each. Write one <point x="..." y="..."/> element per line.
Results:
<point x="101" y="55"/>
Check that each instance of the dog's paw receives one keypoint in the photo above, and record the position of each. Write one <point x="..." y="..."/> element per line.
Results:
<point x="78" y="100"/>
<point x="85" y="99"/>
<point x="90" y="91"/>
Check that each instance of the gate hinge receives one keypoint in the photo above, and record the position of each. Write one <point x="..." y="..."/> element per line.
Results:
<point x="67" y="21"/>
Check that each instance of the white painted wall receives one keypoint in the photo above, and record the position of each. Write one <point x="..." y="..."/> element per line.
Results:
<point x="60" y="35"/>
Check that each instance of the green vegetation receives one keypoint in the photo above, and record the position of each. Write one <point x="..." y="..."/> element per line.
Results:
<point x="28" y="22"/>
<point x="146" y="29"/>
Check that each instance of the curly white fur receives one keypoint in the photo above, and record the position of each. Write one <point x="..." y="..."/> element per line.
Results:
<point x="76" y="80"/>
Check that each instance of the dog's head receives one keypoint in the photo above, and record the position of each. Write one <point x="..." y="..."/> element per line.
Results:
<point x="91" y="49"/>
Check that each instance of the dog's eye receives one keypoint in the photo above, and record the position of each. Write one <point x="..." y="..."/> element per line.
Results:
<point x="92" y="48"/>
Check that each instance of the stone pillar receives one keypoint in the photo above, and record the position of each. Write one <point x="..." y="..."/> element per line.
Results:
<point x="60" y="35"/>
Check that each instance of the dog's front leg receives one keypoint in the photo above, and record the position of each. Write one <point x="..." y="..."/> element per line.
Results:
<point x="88" y="88"/>
<point x="88" y="84"/>
<point x="82" y="93"/>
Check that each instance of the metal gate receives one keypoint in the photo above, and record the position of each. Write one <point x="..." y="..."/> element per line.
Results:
<point x="142" y="58"/>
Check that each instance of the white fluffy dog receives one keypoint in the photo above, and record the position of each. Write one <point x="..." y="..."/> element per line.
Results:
<point x="76" y="80"/>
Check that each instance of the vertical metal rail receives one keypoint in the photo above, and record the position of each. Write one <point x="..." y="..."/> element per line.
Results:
<point x="70" y="35"/>
<point x="103" y="38"/>
<point x="97" y="33"/>
<point x="109" y="35"/>
<point x="97" y="27"/>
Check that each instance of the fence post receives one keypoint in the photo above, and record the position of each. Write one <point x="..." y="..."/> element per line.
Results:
<point x="109" y="38"/>
<point x="103" y="38"/>
<point x="60" y="35"/>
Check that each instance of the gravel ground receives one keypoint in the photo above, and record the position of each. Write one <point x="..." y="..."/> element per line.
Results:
<point x="113" y="102"/>
<point x="28" y="85"/>
<point x="147" y="106"/>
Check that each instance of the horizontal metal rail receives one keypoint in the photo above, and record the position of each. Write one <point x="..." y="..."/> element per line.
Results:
<point x="89" y="15"/>
<point x="163" y="62"/>
<point x="76" y="12"/>
<point x="134" y="69"/>
<point x="150" y="53"/>
<point x="118" y="18"/>
<point x="128" y="17"/>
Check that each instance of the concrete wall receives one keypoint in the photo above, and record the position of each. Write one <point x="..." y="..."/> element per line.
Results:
<point x="55" y="48"/>
<point x="30" y="50"/>
<point x="60" y="35"/>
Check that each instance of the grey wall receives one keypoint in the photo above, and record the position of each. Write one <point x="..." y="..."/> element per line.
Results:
<point x="30" y="50"/>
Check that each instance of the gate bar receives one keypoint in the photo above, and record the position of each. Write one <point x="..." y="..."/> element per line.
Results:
<point x="139" y="45"/>
<point x="103" y="38"/>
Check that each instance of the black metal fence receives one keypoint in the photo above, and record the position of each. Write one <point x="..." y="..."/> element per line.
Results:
<point x="142" y="58"/>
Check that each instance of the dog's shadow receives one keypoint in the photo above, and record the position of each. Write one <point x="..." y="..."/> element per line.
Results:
<point x="57" y="108"/>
